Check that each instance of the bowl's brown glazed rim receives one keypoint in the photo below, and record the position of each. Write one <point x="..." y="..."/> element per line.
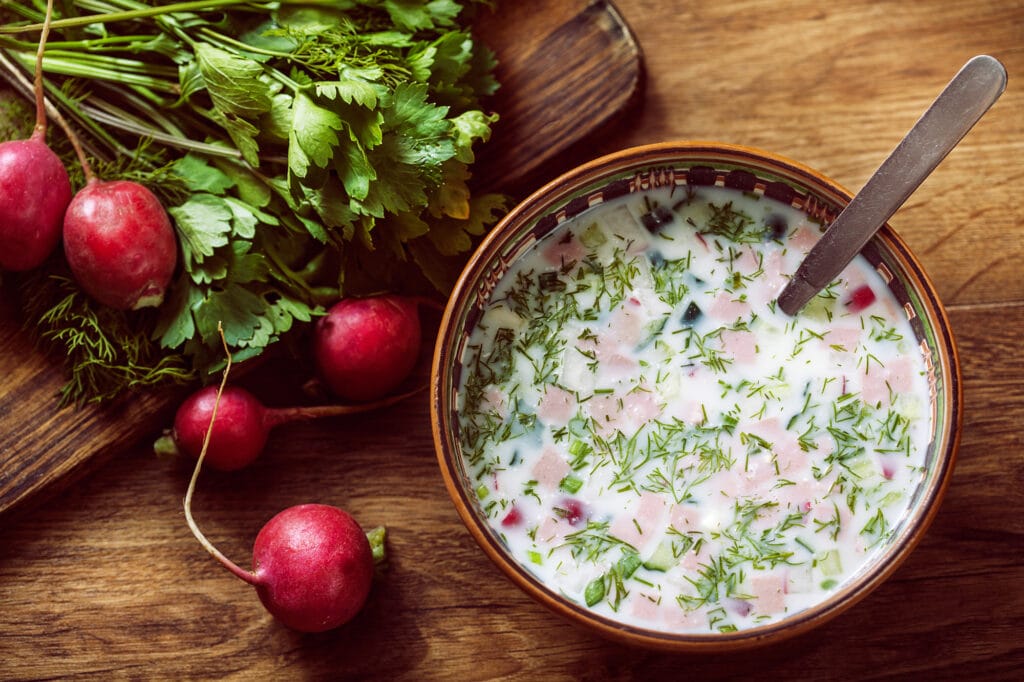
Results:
<point x="662" y="161"/>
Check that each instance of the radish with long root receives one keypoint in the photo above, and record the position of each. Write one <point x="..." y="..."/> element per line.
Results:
<point x="243" y="424"/>
<point x="365" y="347"/>
<point x="34" y="186"/>
<point x="312" y="563"/>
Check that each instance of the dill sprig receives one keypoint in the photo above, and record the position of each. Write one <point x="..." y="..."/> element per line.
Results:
<point x="105" y="351"/>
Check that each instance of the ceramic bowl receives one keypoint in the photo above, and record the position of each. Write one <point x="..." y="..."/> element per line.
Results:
<point x="695" y="164"/>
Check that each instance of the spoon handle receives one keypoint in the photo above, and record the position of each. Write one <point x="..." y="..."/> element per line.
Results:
<point x="954" y="112"/>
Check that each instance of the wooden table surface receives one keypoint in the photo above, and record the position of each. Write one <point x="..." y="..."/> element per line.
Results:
<point x="105" y="581"/>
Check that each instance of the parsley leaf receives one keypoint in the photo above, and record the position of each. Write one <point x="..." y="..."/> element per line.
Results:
<point x="204" y="224"/>
<point x="304" y="152"/>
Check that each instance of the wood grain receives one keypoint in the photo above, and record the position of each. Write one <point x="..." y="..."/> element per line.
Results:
<point x="105" y="582"/>
<point x="567" y="72"/>
<point x="543" y="112"/>
<point x="44" y="448"/>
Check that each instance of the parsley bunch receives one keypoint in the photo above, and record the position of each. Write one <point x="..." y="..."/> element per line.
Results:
<point x="304" y="151"/>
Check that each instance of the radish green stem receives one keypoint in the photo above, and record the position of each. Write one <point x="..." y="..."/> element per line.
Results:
<point x="53" y="112"/>
<point x="213" y="36"/>
<point x="247" y="576"/>
<point x="40" y="130"/>
<point x="281" y="415"/>
<point x="166" y="138"/>
<point x="14" y="75"/>
<point x="431" y="303"/>
<point x="105" y="71"/>
<point x="197" y="6"/>
<point x="109" y="43"/>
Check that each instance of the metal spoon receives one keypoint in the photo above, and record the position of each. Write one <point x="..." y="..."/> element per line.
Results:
<point x="954" y="112"/>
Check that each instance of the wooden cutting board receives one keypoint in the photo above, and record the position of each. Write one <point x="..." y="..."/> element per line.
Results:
<point x="569" y="69"/>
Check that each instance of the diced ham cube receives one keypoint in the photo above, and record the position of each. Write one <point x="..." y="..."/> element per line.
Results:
<point x="842" y="339"/>
<point x="773" y="279"/>
<point x="804" y="238"/>
<point x="679" y="619"/>
<point x="604" y="410"/>
<point x="694" y="559"/>
<point x="748" y="262"/>
<point x="895" y="376"/>
<point x="741" y="346"/>
<point x="769" y="593"/>
<point x="556" y="406"/>
<point x="757" y="478"/>
<point x="625" y="325"/>
<point x="637" y="526"/>
<point x="640" y="407"/>
<point x="626" y="413"/>
<point x="614" y="360"/>
<point x="727" y="308"/>
<point x="900" y="374"/>
<point x="565" y="251"/>
<point x="550" y="469"/>
<point x="785" y="445"/>
<point x="645" y="606"/>
<point x="494" y="401"/>
<point x="684" y="517"/>
<point x="552" y="530"/>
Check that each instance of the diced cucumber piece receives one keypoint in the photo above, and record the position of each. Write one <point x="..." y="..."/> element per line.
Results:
<point x="628" y="564"/>
<point x="890" y="498"/>
<point x="593" y="237"/>
<point x="578" y="448"/>
<point x="571" y="484"/>
<point x="663" y="558"/>
<point x="829" y="563"/>
<point x="862" y="468"/>
<point x="594" y="592"/>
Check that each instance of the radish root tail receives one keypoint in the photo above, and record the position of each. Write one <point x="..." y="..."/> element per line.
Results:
<point x="247" y="576"/>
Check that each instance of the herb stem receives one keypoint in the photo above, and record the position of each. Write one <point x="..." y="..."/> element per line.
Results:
<point x="82" y="69"/>
<point x="40" y="130"/>
<point x="215" y="37"/>
<point x="281" y="415"/>
<point x="145" y="12"/>
<point x="47" y="109"/>
<point x="105" y="43"/>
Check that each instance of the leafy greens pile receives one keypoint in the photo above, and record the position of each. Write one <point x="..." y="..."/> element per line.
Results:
<point x="304" y="151"/>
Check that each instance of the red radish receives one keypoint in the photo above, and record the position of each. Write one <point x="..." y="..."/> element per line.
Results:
<point x="313" y="567"/>
<point x="118" y="240"/>
<point x="237" y="437"/>
<point x="366" y="347"/>
<point x="513" y="518"/>
<point x="572" y="511"/>
<point x="243" y="424"/>
<point x="120" y="244"/>
<point x="312" y="563"/>
<point x="860" y="298"/>
<point x="34" y="186"/>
